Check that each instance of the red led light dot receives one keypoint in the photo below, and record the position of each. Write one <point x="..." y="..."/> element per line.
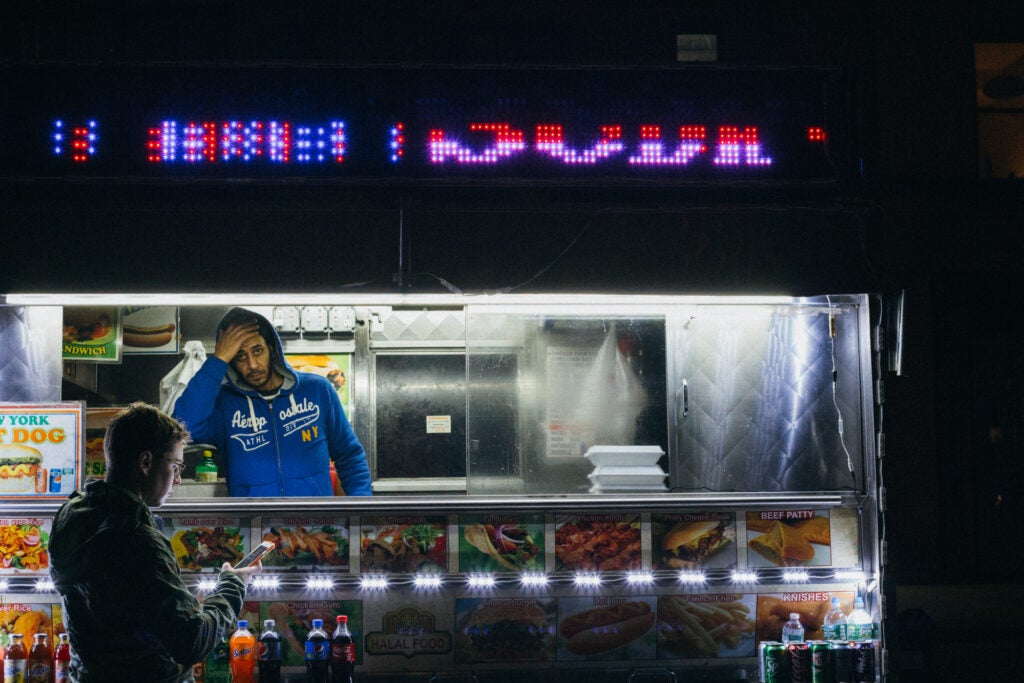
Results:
<point x="650" y="132"/>
<point x="816" y="134"/>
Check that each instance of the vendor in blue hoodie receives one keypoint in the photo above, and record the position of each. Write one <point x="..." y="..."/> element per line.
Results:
<point x="277" y="428"/>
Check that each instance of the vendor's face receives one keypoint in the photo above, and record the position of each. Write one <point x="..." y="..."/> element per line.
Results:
<point x="253" y="364"/>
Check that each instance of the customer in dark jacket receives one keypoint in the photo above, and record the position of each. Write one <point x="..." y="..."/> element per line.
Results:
<point x="129" y="615"/>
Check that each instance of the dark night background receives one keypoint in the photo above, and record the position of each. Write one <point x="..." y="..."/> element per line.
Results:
<point x="915" y="217"/>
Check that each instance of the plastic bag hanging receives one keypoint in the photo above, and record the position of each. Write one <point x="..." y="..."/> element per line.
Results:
<point x="175" y="381"/>
<point x="611" y="397"/>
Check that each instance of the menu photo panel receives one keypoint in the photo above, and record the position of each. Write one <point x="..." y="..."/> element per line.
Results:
<point x="40" y="449"/>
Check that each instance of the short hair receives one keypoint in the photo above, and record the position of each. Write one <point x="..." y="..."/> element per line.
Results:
<point x="140" y="427"/>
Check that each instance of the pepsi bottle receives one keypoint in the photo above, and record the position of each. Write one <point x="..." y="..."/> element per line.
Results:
<point x="318" y="647"/>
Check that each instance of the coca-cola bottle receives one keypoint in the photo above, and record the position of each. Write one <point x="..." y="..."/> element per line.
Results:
<point x="343" y="652"/>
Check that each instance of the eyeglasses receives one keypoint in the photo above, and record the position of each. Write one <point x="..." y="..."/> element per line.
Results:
<point x="178" y="466"/>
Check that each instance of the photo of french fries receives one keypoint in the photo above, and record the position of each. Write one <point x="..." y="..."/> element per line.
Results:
<point x="704" y="626"/>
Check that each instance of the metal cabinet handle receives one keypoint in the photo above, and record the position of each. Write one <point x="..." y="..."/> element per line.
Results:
<point x="682" y="398"/>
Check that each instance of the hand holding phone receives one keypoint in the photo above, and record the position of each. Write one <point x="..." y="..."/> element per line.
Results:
<point x="255" y="555"/>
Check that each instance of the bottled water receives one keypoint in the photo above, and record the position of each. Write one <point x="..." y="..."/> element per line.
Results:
<point x="859" y="625"/>
<point x="834" y="625"/>
<point x="793" y="630"/>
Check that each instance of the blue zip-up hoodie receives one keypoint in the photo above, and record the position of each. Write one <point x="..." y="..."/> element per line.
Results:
<point x="279" y="447"/>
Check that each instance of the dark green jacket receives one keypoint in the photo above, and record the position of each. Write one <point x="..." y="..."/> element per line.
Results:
<point x="129" y="615"/>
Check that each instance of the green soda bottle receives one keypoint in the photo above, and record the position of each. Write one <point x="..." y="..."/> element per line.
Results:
<point x="218" y="669"/>
<point x="206" y="469"/>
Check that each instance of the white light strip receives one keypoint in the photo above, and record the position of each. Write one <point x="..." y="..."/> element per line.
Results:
<point x="744" y="577"/>
<point x="427" y="581"/>
<point x="3" y="586"/>
<point x="692" y="578"/>
<point x="266" y="582"/>
<point x="44" y="585"/>
<point x="480" y="581"/>
<point x="532" y="579"/>
<point x="587" y="580"/>
<point x="639" y="578"/>
<point x="850" y="575"/>
<point x="207" y="584"/>
<point x="374" y="582"/>
<point x="796" y="576"/>
<point x="627" y="302"/>
<point x="319" y="583"/>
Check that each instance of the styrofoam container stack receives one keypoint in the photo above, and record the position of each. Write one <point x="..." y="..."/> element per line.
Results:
<point x="626" y="468"/>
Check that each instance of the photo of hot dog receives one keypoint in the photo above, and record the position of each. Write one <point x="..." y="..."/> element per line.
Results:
<point x="606" y="628"/>
<point x="18" y="468"/>
<point x="148" y="337"/>
<point x="150" y="329"/>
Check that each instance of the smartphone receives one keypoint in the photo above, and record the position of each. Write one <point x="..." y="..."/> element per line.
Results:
<point x="255" y="555"/>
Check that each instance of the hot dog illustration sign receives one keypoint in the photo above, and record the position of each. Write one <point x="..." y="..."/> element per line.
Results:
<point x="40" y="448"/>
<point x="150" y="329"/>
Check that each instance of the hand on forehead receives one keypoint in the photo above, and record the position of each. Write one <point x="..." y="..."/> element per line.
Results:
<point x="249" y="340"/>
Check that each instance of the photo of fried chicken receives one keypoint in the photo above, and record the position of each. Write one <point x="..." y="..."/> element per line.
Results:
<point x="598" y="545"/>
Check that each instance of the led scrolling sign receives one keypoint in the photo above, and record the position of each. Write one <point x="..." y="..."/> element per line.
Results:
<point x="281" y="142"/>
<point x="444" y="124"/>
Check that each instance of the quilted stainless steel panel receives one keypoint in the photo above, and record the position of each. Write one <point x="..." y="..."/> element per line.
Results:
<point x="401" y="325"/>
<point x="752" y="398"/>
<point x="30" y="365"/>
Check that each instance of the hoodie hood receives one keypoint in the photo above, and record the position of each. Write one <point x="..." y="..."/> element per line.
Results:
<point x="267" y="331"/>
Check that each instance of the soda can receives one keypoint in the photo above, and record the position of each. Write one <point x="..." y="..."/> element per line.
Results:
<point x="842" y="657"/>
<point x="822" y="668"/>
<point x="776" y="663"/>
<point x="799" y="663"/>
<point x="864" y="662"/>
<point x="41" y="480"/>
<point x="55" y="478"/>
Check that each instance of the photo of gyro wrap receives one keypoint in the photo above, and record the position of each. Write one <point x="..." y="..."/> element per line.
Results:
<point x="509" y="545"/>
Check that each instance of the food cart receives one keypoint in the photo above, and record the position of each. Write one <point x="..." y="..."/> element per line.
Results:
<point x="635" y="487"/>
